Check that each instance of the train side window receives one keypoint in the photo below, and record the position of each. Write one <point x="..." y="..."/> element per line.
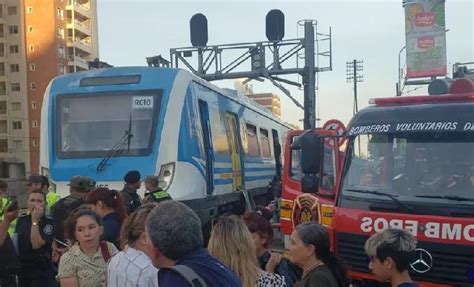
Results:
<point x="218" y="131"/>
<point x="265" y="142"/>
<point x="252" y="149"/>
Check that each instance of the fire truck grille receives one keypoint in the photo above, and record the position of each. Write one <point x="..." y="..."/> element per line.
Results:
<point x="451" y="264"/>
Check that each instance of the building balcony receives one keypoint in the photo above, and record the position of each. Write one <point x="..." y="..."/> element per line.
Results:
<point x="82" y="9"/>
<point x="84" y="45"/>
<point x="83" y="27"/>
<point x="78" y="62"/>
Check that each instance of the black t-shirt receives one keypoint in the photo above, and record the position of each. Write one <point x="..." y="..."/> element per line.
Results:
<point x="411" y="284"/>
<point x="34" y="259"/>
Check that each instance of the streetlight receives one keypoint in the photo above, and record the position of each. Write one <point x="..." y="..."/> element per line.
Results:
<point x="400" y="73"/>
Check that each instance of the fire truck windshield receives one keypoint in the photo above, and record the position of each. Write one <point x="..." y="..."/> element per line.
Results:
<point x="420" y="168"/>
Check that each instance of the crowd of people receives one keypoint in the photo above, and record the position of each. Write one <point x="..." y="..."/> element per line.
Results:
<point x="96" y="236"/>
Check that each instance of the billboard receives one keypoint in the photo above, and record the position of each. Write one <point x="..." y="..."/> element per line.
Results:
<point x="425" y="32"/>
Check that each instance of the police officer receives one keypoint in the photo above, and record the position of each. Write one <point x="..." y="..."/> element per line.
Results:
<point x="154" y="192"/>
<point x="129" y="193"/>
<point x="35" y="236"/>
<point x="79" y="186"/>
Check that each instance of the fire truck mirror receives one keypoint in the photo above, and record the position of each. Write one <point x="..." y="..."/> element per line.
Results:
<point x="311" y="150"/>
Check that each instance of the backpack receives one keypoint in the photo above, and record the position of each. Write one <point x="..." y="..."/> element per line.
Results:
<point x="61" y="211"/>
<point x="189" y="275"/>
<point x="104" y="249"/>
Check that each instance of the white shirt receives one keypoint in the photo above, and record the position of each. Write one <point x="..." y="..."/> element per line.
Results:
<point x="131" y="268"/>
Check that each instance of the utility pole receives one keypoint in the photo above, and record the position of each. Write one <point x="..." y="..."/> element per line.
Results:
<point x="309" y="78"/>
<point x="353" y="69"/>
<point x="353" y="74"/>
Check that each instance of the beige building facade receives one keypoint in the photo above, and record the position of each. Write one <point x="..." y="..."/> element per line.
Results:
<point x="39" y="40"/>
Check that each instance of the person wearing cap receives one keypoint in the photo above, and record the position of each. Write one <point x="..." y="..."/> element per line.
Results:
<point x="154" y="193"/>
<point x="79" y="186"/>
<point x="129" y="193"/>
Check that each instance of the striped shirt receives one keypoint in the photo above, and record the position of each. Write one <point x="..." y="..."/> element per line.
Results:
<point x="130" y="268"/>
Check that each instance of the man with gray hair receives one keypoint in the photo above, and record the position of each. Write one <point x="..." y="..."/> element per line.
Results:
<point x="391" y="252"/>
<point x="176" y="248"/>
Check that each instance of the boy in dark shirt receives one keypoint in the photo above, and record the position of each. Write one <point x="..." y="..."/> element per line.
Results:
<point x="391" y="252"/>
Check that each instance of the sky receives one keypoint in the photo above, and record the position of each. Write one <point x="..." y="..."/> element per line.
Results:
<point x="371" y="31"/>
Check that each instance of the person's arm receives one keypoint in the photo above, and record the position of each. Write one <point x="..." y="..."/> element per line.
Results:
<point x="275" y="259"/>
<point x="35" y="236"/>
<point x="67" y="271"/>
<point x="69" y="282"/>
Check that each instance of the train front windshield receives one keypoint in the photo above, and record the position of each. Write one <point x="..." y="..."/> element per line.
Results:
<point x="93" y="125"/>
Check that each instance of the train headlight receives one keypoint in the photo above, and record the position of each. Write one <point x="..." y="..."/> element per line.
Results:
<point x="166" y="175"/>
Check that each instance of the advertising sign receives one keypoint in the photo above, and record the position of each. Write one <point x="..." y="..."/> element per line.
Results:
<point x="425" y="38"/>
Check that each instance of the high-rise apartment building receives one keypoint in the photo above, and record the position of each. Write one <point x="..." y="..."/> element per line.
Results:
<point x="269" y="101"/>
<point x="39" y="40"/>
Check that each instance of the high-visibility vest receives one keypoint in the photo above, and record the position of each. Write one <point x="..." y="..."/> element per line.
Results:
<point x="12" y="227"/>
<point x="4" y="206"/>
<point x="52" y="198"/>
<point x="161" y="195"/>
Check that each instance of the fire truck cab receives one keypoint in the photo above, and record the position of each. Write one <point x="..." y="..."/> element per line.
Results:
<point x="405" y="162"/>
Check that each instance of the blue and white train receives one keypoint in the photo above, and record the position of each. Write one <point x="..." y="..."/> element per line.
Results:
<point x="206" y="144"/>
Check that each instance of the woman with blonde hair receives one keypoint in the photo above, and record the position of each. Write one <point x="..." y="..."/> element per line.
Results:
<point x="232" y="244"/>
<point x="132" y="266"/>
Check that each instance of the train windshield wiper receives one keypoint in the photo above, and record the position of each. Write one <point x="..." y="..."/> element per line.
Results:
<point x="118" y="147"/>
<point x="448" y="197"/>
<point x="394" y="198"/>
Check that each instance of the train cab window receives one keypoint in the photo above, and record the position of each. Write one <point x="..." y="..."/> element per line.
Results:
<point x="98" y="124"/>
<point x="265" y="142"/>
<point x="252" y="149"/>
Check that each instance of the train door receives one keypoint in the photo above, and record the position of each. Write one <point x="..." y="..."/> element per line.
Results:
<point x="208" y="148"/>
<point x="235" y="151"/>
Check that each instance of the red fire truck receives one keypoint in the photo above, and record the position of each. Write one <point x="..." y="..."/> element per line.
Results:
<point x="405" y="162"/>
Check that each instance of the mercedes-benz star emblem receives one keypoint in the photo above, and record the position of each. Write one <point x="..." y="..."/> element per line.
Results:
<point x="423" y="261"/>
